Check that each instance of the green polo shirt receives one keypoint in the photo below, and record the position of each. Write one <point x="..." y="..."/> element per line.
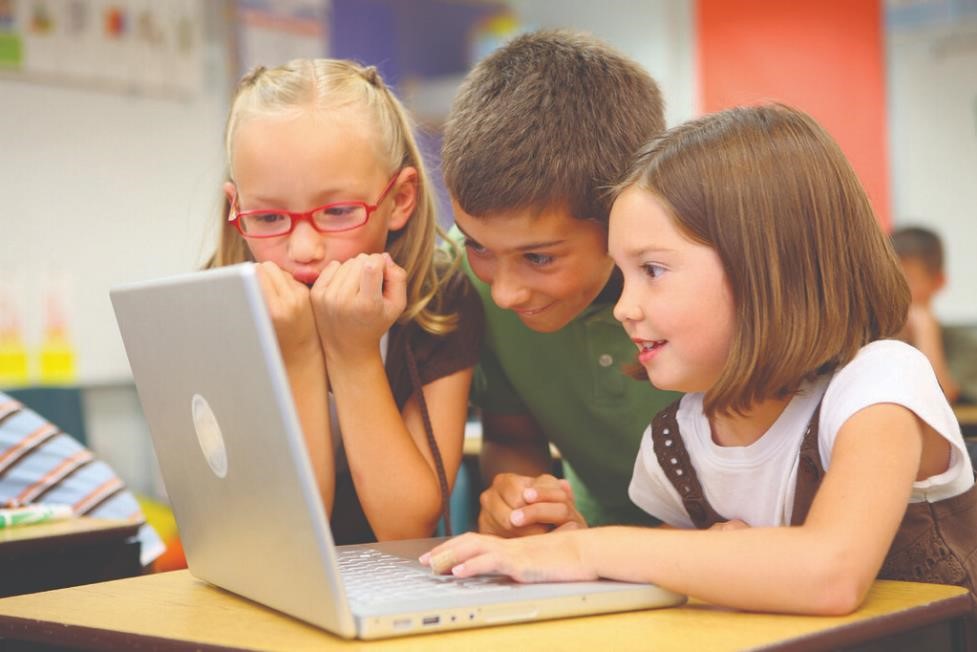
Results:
<point x="571" y="382"/>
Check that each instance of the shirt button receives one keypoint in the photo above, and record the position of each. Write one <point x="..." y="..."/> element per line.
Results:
<point x="605" y="360"/>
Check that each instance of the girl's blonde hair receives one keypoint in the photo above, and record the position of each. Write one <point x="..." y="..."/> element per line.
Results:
<point x="812" y="275"/>
<point x="333" y="85"/>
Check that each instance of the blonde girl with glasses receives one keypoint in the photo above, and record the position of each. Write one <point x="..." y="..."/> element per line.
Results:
<point x="811" y="452"/>
<point x="379" y="332"/>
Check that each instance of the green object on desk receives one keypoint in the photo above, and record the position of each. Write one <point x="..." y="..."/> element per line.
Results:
<point x="31" y="514"/>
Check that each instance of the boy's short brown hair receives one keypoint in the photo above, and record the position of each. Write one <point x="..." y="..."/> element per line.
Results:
<point x="921" y="244"/>
<point x="551" y="119"/>
<point x="813" y="276"/>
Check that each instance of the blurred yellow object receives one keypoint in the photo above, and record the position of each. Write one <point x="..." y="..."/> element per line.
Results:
<point x="160" y="516"/>
<point x="13" y="360"/>
<point x="57" y="359"/>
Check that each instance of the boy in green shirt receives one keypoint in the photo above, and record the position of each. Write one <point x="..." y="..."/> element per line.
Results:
<point x="538" y="131"/>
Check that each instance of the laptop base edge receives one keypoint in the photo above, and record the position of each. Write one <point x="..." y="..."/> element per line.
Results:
<point x="466" y="617"/>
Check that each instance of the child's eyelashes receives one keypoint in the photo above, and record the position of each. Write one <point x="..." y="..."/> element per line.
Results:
<point x="652" y="270"/>
<point x="474" y="247"/>
<point x="534" y="259"/>
<point x="539" y="260"/>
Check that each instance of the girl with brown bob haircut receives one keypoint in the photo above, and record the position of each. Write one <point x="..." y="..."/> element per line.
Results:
<point x="815" y="453"/>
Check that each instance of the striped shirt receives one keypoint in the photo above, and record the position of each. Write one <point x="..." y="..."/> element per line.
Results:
<point x="41" y="464"/>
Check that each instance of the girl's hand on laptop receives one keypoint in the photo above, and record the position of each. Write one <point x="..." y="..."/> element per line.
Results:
<point x="357" y="301"/>
<point x="518" y="505"/>
<point x="290" y="309"/>
<point x="554" y="557"/>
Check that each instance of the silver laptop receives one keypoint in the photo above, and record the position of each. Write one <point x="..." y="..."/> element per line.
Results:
<point x="214" y="391"/>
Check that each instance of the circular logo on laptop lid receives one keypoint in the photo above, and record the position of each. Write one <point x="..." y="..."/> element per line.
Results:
<point x="209" y="435"/>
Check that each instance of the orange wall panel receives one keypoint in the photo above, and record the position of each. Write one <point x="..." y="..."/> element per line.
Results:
<point x="825" y="57"/>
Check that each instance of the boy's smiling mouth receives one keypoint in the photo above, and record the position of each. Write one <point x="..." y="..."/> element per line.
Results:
<point x="530" y="312"/>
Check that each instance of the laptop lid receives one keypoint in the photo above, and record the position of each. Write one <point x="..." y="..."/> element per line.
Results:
<point x="213" y="388"/>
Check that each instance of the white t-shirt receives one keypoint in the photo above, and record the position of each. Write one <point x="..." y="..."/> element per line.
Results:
<point x="756" y="483"/>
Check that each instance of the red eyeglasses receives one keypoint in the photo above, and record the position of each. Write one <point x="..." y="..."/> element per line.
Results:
<point x="331" y="218"/>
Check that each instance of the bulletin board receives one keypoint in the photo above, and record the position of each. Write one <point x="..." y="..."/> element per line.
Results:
<point x="132" y="46"/>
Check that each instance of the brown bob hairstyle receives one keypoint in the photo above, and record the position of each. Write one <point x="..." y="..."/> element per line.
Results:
<point x="812" y="275"/>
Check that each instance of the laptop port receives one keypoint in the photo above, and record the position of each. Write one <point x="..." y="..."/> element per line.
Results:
<point x="431" y="620"/>
<point x="402" y="623"/>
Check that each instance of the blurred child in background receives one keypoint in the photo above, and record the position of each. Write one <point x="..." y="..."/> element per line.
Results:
<point x="920" y="252"/>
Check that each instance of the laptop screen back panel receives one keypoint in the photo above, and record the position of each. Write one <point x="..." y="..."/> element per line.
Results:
<point x="208" y="371"/>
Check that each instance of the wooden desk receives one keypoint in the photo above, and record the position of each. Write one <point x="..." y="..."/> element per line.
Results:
<point x="66" y="553"/>
<point x="174" y="610"/>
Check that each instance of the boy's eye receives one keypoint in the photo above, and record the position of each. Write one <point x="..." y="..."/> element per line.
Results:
<point x="474" y="246"/>
<point x="538" y="259"/>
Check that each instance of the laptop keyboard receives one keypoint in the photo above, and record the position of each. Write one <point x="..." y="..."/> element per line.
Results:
<point x="372" y="577"/>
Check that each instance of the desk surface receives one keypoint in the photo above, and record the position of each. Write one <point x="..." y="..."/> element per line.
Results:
<point x="171" y="609"/>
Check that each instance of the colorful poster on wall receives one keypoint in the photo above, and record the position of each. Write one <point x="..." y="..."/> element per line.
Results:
<point x="11" y="43"/>
<point x="135" y="46"/>
<point x="271" y="32"/>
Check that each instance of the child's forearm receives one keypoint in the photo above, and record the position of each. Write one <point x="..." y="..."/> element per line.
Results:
<point x="308" y="380"/>
<point x="769" y="569"/>
<point x="384" y="458"/>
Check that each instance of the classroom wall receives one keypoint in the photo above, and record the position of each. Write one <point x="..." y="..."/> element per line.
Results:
<point x="103" y="187"/>
<point x="658" y="34"/>
<point x="893" y="82"/>
<point x="824" y="57"/>
<point x="932" y="88"/>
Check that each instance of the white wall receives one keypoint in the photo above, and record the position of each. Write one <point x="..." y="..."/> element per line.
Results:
<point x="102" y="189"/>
<point x="933" y="134"/>
<point x="658" y="34"/>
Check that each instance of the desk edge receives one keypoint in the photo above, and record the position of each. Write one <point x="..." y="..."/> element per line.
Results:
<point x="881" y="626"/>
<point x="32" y="630"/>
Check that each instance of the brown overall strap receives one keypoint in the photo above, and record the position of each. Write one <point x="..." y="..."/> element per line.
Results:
<point x="674" y="460"/>
<point x="936" y="542"/>
<point x="810" y="471"/>
<point x="415" y="379"/>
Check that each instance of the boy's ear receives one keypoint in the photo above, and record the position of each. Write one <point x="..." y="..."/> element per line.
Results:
<point x="404" y="195"/>
<point x="939" y="280"/>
